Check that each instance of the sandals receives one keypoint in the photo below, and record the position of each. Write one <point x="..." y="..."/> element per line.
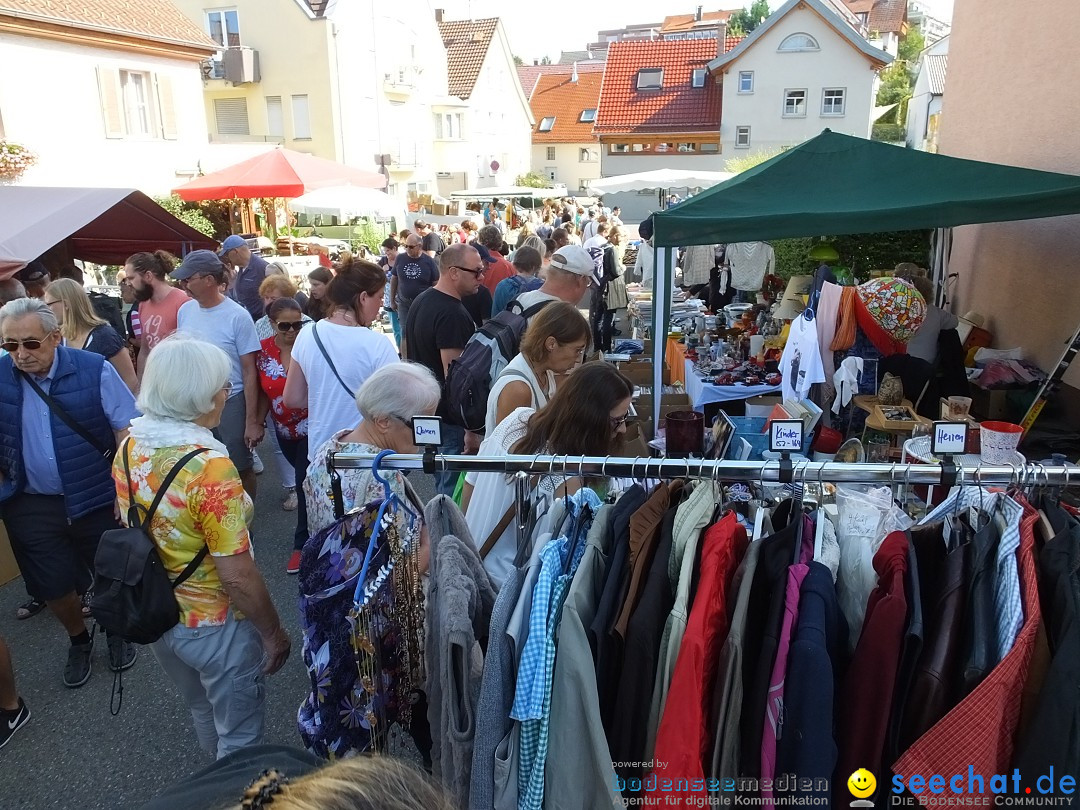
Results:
<point x="31" y="607"/>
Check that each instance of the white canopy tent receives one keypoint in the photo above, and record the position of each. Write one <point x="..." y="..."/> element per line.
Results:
<point x="347" y="202"/>
<point x="657" y="179"/>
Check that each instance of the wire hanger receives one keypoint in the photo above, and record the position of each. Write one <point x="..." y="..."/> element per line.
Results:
<point x="391" y="502"/>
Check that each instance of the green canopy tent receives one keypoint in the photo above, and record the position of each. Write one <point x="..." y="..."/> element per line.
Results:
<point x="838" y="184"/>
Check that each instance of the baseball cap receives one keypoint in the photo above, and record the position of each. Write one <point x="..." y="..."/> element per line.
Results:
<point x="199" y="261"/>
<point x="231" y="243"/>
<point x="33" y="272"/>
<point x="485" y="254"/>
<point x="573" y="259"/>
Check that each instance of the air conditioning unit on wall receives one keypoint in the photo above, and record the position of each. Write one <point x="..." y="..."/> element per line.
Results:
<point x="241" y="65"/>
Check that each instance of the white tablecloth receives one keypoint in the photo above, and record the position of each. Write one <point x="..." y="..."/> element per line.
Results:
<point x="703" y="393"/>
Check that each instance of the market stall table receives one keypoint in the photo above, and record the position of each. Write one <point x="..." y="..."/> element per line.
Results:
<point x="704" y="393"/>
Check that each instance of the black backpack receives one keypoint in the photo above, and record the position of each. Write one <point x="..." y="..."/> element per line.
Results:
<point x="470" y="376"/>
<point x="133" y="595"/>
<point x="109" y="309"/>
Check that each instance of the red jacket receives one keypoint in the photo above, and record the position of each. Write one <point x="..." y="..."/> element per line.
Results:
<point x="496" y="272"/>
<point x="683" y="740"/>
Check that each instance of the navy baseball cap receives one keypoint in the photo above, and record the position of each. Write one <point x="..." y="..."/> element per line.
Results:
<point x="199" y="261"/>
<point x="485" y="254"/>
<point x="231" y="243"/>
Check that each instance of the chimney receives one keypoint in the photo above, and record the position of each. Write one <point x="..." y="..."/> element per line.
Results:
<point x="536" y="62"/>
<point x="697" y="14"/>
<point x="721" y="39"/>
<point x="573" y="76"/>
<point x="439" y="12"/>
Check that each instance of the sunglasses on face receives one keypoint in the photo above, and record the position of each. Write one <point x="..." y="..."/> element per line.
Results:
<point x="12" y="346"/>
<point x="475" y="271"/>
<point x="287" y="326"/>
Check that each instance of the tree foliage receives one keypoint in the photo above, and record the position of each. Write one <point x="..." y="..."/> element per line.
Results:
<point x="743" y="162"/>
<point x="743" y="21"/>
<point x="518" y="60"/>
<point x="531" y="180"/>
<point x="193" y="214"/>
<point x="860" y="252"/>
<point x="910" y="47"/>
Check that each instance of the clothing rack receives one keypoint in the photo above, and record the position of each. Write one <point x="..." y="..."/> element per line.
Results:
<point x="1029" y="474"/>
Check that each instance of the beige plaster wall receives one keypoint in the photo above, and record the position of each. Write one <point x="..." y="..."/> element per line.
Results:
<point x="1011" y="97"/>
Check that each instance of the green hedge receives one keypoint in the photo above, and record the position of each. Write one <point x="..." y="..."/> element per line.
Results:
<point x="861" y="252"/>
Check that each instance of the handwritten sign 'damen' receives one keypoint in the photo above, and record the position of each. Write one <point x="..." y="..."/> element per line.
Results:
<point x="427" y="430"/>
<point x="786" y="435"/>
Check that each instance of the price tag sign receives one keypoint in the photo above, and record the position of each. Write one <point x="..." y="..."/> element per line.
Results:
<point x="786" y="435"/>
<point x="948" y="438"/>
<point x="427" y="430"/>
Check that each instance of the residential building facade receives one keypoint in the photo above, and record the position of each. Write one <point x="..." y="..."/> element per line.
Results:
<point x="565" y="150"/>
<point x="116" y="104"/>
<point x="883" y="22"/>
<point x="928" y="97"/>
<point x="804" y="69"/>
<point x="492" y="145"/>
<point x="659" y="109"/>
<point x="1021" y="276"/>
<point x="343" y="81"/>
<point x="919" y="14"/>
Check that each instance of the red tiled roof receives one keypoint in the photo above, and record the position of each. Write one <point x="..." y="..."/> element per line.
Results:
<point x="557" y="96"/>
<point x="685" y="22"/>
<point x="156" y="20"/>
<point x="888" y="16"/>
<point x="676" y="107"/>
<point x="730" y="42"/>
<point x="529" y="74"/>
<point x="466" y="44"/>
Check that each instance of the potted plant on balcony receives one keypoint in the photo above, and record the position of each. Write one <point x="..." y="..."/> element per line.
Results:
<point x="14" y="160"/>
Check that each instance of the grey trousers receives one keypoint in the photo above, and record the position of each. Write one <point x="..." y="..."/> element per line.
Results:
<point x="218" y="670"/>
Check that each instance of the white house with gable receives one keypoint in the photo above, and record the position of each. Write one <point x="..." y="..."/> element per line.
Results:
<point x="804" y="69"/>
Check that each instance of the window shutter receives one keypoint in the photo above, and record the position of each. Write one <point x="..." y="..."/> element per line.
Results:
<point x="166" y="107"/>
<point x="111" y="108"/>
<point x="232" y="116"/>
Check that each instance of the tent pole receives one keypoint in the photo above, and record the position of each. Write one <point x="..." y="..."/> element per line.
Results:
<point x="662" y="273"/>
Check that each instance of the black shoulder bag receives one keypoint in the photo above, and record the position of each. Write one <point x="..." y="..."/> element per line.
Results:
<point x="54" y="406"/>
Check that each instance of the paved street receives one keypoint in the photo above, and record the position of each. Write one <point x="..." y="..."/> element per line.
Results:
<point x="74" y="754"/>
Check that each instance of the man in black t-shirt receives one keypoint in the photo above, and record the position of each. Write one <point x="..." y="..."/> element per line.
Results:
<point x="436" y="332"/>
<point x="433" y="243"/>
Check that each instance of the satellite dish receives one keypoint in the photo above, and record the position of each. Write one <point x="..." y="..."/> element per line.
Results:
<point x="494" y="165"/>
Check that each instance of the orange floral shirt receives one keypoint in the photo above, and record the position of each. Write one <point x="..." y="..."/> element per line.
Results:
<point x="206" y="503"/>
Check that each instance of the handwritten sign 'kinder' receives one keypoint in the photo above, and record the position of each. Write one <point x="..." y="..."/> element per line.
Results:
<point x="948" y="438"/>
<point x="786" y="435"/>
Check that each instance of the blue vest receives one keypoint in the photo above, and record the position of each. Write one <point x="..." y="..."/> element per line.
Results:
<point x="84" y="472"/>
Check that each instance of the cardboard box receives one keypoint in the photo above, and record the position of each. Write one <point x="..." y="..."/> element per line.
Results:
<point x="635" y="441"/>
<point x="440" y="209"/>
<point x="8" y="568"/>
<point x="639" y="373"/>
<point x="668" y="403"/>
<point x="762" y="406"/>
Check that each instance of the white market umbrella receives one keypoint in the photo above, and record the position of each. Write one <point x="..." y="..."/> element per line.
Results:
<point x="658" y="179"/>
<point x="347" y="202"/>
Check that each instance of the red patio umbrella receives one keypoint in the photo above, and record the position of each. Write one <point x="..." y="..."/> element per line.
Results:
<point x="277" y="173"/>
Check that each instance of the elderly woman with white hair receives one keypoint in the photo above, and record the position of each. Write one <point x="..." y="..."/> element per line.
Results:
<point x="387" y="400"/>
<point x="229" y="636"/>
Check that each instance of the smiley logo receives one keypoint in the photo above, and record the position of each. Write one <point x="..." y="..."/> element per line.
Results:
<point x="862" y="784"/>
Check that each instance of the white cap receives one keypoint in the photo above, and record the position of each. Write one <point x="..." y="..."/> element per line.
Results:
<point x="573" y="259"/>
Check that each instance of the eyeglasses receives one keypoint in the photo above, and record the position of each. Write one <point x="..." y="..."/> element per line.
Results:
<point x="476" y="272"/>
<point x="287" y="326"/>
<point x="227" y="388"/>
<point x="617" y="423"/>
<point x="403" y="421"/>
<point x="413" y="247"/>
<point x="12" y="346"/>
<point x="51" y="303"/>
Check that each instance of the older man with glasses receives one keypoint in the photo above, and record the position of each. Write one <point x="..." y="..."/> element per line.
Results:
<point x="438" y="328"/>
<point x="63" y="413"/>
<point x="414" y="271"/>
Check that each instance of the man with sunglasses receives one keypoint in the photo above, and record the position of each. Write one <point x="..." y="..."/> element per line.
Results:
<point x="438" y="328"/>
<point x="62" y="414"/>
<point x="217" y="319"/>
<point x="413" y="272"/>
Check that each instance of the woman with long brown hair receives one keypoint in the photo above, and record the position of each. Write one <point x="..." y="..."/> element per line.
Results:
<point x="317" y="306"/>
<point x="586" y="416"/>
<point x="332" y="358"/>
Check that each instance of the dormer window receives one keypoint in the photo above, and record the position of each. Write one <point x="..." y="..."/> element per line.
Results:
<point x="547" y="123"/>
<point x="650" y="79"/>
<point x="697" y="77"/>
<point x="799" y="42"/>
<point x="588" y="116"/>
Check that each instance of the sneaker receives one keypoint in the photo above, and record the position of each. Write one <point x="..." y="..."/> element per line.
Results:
<point x="256" y="463"/>
<point x="77" y="671"/>
<point x="31" y="607"/>
<point x="10" y="722"/>
<point x="293" y="566"/>
<point x="122" y="653"/>
<point x="289" y="503"/>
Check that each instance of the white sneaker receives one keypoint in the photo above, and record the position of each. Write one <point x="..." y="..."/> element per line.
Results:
<point x="289" y="503"/>
<point x="256" y="463"/>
